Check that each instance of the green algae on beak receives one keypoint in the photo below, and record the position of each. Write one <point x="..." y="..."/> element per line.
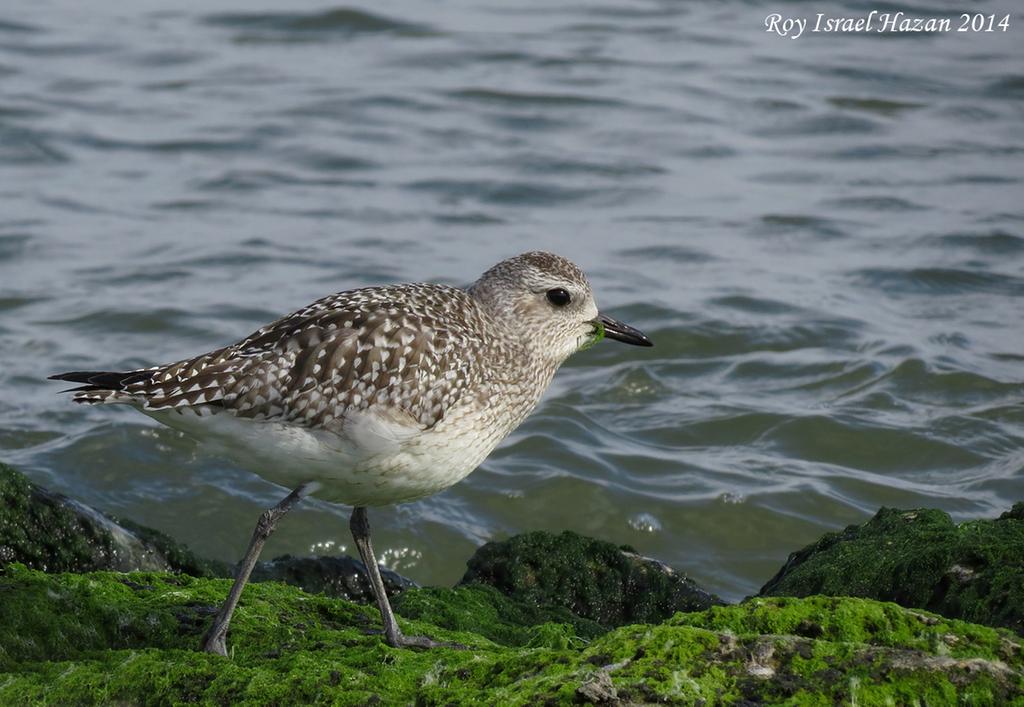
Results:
<point x="596" y="336"/>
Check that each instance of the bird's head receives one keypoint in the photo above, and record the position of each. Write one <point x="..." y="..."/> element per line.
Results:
<point x="548" y="302"/>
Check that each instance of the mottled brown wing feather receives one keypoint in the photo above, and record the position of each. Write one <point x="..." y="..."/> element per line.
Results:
<point x="345" y="352"/>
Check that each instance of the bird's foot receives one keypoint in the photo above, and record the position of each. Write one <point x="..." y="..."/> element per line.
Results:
<point x="214" y="643"/>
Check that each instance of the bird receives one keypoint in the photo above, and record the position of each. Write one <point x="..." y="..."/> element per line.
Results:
<point x="372" y="396"/>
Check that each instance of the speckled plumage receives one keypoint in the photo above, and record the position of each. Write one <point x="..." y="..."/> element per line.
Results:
<point x="381" y="394"/>
<point x="373" y="396"/>
<point x="400" y="346"/>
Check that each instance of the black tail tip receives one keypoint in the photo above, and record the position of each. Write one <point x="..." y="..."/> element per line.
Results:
<point x="102" y="380"/>
<point x="78" y="376"/>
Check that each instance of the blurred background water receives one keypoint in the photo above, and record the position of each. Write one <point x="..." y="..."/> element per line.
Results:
<point x="824" y="237"/>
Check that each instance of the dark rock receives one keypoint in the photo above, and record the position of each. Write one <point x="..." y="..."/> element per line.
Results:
<point x="1015" y="513"/>
<point x="84" y="639"/>
<point x="592" y="578"/>
<point x="177" y="555"/>
<point x="50" y="532"/>
<point x="598" y="689"/>
<point x="483" y="610"/>
<point x="919" y="559"/>
<point x="343" y="577"/>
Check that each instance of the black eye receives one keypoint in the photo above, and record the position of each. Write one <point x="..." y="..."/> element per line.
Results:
<point x="559" y="297"/>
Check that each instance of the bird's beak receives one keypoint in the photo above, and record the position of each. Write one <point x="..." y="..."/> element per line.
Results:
<point x="615" y="329"/>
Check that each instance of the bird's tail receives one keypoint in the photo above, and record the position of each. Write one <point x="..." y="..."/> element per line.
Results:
<point x="101" y="386"/>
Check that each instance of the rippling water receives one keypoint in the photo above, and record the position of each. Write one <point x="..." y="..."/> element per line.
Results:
<point x="824" y="237"/>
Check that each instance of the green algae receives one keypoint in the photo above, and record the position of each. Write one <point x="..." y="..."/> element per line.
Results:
<point x="596" y="337"/>
<point x="47" y="531"/>
<point x="106" y="637"/>
<point x="44" y="530"/>
<point x="854" y="621"/>
<point x="1015" y="513"/>
<point x="485" y="611"/>
<point x="921" y="558"/>
<point x="42" y="533"/>
<point x="591" y="578"/>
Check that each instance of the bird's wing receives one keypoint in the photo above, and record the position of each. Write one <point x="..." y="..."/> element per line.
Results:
<point x="330" y="362"/>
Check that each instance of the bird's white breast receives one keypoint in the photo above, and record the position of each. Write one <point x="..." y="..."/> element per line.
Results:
<point x="374" y="458"/>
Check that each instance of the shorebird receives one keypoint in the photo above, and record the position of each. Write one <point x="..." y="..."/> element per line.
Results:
<point x="373" y="396"/>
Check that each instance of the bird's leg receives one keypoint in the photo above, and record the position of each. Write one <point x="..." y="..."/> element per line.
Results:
<point x="360" y="526"/>
<point x="214" y="642"/>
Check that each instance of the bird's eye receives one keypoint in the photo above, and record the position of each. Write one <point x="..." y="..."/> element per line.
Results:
<point x="559" y="297"/>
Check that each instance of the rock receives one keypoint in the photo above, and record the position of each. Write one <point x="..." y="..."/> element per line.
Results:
<point x="177" y="555"/>
<point x="50" y="532"/>
<point x="483" y="610"/>
<point x="598" y="689"/>
<point x="112" y="637"/>
<point x="44" y="530"/>
<point x="109" y="638"/>
<point x="343" y="577"/>
<point x="592" y="578"/>
<point x="919" y="559"/>
<point x="1015" y="513"/>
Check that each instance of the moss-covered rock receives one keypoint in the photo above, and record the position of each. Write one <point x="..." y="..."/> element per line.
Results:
<point x="480" y="609"/>
<point x="344" y="577"/>
<point x="106" y="638"/>
<point x="48" y="531"/>
<point x="178" y="556"/>
<point x="544" y="638"/>
<point x="921" y="558"/>
<point x="592" y="578"/>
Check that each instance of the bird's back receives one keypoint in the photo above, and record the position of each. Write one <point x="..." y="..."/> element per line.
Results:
<point x="407" y="347"/>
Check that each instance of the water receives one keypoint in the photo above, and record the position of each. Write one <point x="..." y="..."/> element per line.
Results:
<point x="824" y="237"/>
